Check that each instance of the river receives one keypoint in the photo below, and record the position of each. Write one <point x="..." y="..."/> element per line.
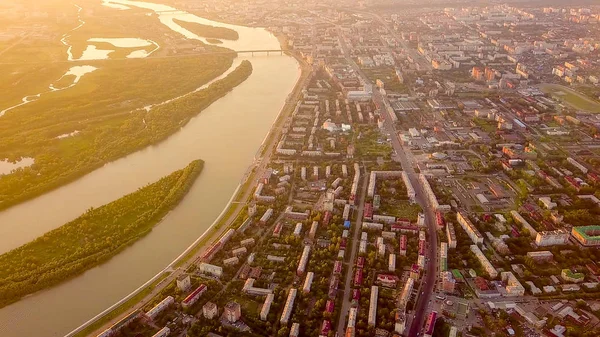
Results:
<point x="226" y="136"/>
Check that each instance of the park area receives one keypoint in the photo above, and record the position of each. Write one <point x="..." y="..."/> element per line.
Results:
<point x="571" y="97"/>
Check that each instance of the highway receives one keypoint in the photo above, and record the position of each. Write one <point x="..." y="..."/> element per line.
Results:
<point x="429" y="277"/>
<point x="346" y="301"/>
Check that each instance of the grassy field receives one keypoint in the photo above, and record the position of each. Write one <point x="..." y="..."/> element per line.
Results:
<point x="571" y="97"/>
<point x="406" y="210"/>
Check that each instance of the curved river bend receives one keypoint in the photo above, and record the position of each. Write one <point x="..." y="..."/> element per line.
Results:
<point x="226" y="136"/>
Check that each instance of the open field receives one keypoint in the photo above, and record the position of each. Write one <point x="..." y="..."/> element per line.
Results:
<point x="571" y="97"/>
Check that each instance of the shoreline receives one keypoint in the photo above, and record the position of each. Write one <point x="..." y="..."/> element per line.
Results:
<point x="217" y="228"/>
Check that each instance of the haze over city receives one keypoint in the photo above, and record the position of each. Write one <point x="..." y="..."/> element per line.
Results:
<point x="297" y="168"/>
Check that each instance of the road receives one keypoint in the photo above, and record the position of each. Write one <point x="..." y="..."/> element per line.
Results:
<point x="260" y="166"/>
<point x="346" y="301"/>
<point x="429" y="278"/>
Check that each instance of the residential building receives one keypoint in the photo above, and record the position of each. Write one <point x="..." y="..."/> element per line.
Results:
<point x="485" y="263"/>
<point x="164" y="332"/>
<point x="308" y="282"/>
<point x="303" y="260"/>
<point x="157" y="309"/>
<point x="552" y="238"/>
<point x="469" y="227"/>
<point x="210" y="310"/>
<point x="193" y="297"/>
<point x="233" y="312"/>
<point x="513" y="286"/>
<point x="289" y="305"/>
<point x="451" y="235"/>
<point x="570" y="276"/>
<point x="266" y="307"/>
<point x="295" y="330"/>
<point x="448" y="282"/>
<point x="373" y="305"/>
<point x="250" y="289"/>
<point x="541" y="256"/>
<point x="392" y="263"/>
<point x="184" y="283"/>
<point x="587" y="235"/>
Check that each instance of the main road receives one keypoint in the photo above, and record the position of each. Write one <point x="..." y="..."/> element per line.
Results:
<point x="346" y="301"/>
<point x="429" y="277"/>
<point x="389" y="126"/>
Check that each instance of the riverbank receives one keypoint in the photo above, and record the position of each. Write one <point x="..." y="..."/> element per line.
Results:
<point x="106" y="108"/>
<point x="93" y="238"/>
<point x="224" y="222"/>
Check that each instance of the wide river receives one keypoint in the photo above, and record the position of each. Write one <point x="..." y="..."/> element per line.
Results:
<point x="226" y="136"/>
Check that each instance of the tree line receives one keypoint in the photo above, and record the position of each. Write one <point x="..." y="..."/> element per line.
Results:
<point x="93" y="238"/>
